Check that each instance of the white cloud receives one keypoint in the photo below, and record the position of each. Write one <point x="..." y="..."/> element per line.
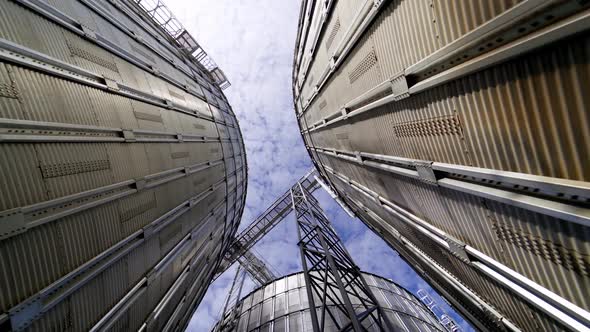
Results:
<point x="252" y="42"/>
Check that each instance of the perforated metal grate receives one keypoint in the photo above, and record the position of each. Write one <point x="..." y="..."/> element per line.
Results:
<point x="447" y="125"/>
<point x="8" y="91"/>
<point x="63" y="169"/>
<point x="366" y="63"/>
<point x="546" y="249"/>
<point x="333" y="33"/>
<point x="82" y="53"/>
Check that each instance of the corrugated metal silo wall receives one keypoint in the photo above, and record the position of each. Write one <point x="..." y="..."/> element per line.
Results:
<point x="466" y="122"/>
<point x="122" y="170"/>
<point x="284" y="302"/>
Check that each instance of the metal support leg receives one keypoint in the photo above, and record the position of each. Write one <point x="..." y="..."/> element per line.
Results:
<point x="330" y="273"/>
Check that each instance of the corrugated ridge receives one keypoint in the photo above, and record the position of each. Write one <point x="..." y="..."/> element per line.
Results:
<point x="531" y="115"/>
<point x="453" y="19"/>
<point x="404" y="33"/>
<point x="21" y="182"/>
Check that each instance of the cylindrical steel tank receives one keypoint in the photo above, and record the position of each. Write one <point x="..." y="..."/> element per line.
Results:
<point x="283" y="305"/>
<point x="460" y="132"/>
<point x="122" y="168"/>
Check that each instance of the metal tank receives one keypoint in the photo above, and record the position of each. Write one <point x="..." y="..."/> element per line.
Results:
<point x="282" y="305"/>
<point x="460" y="132"/>
<point x="122" y="167"/>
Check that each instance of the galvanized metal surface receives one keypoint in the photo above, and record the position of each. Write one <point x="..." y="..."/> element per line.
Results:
<point x="113" y="160"/>
<point x="284" y="302"/>
<point x="478" y="126"/>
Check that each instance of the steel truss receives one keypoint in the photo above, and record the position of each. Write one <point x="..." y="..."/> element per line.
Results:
<point x="331" y="276"/>
<point x="235" y="293"/>
<point x="244" y="241"/>
<point x="260" y="272"/>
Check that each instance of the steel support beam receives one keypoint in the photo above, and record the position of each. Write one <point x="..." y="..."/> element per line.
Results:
<point x="552" y="197"/>
<point x="536" y="295"/>
<point x="330" y="273"/>
<point x="263" y="224"/>
<point x="256" y="268"/>
<point x="233" y="297"/>
<point x="445" y="63"/>
<point x="29" y="58"/>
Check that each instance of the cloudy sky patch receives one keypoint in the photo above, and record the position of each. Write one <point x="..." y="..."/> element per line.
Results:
<point x="252" y="42"/>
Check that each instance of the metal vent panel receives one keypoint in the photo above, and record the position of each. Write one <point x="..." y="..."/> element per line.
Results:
<point x="569" y="258"/>
<point x="448" y="125"/>
<point x="8" y="91"/>
<point x="63" y="169"/>
<point x="363" y="66"/>
<point x="333" y="33"/>
<point x="90" y="56"/>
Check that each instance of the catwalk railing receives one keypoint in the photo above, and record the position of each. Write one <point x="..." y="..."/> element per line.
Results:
<point x="263" y="224"/>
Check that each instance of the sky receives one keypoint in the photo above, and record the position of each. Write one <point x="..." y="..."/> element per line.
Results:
<point x="252" y="41"/>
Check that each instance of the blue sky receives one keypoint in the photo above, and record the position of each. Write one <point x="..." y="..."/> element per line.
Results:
<point x="252" y="41"/>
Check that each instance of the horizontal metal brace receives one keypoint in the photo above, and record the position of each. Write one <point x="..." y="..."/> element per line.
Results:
<point x="140" y="183"/>
<point x="18" y="54"/>
<point x="89" y="33"/>
<point x="558" y="31"/>
<point x="499" y="23"/>
<point x="12" y="222"/>
<point x="133" y="34"/>
<point x="457" y="248"/>
<point x="129" y="136"/>
<point x="399" y="87"/>
<point x="568" y="321"/>
<point x="458" y="286"/>
<point x="24" y="313"/>
<point x="567" y="212"/>
<point x="543" y="297"/>
<point x="121" y="307"/>
<point x="29" y="58"/>
<point x="25" y="131"/>
<point x="75" y="203"/>
<point x="425" y="172"/>
<point x="33" y="308"/>
<point x="361" y="21"/>
<point x="112" y="85"/>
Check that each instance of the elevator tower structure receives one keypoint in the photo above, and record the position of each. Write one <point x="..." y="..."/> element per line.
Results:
<point x="332" y="279"/>
<point x="331" y="294"/>
<point x="122" y="167"/>
<point x="460" y="132"/>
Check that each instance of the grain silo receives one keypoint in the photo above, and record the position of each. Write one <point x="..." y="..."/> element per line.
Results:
<point x="283" y="305"/>
<point x="460" y="132"/>
<point x="122" y="167"/>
